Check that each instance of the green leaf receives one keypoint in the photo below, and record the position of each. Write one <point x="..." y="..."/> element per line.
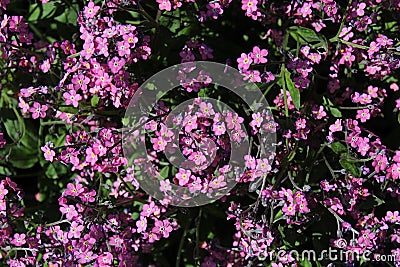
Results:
<point x="14" y="124"/>
<point x="55" y="170"/>
<point x="294" y="92"/>
<point x="278" y="215"/>
<point x="95" y="100"/>
<point x="164" y="172"/>
<point x="398" y="118"/>
<point x="40" y="11"/>
<point x="306" y="263"/>
<point x="70" y="16"/>
<point x="335" y="112"/>
<point x="338" y="148"/>
<point x="352" y="168"/>
<point x="21" y="157"/>
<point x="304" y="35"/>
<point x="30" y="137"/>
<point x="329" y="106"/>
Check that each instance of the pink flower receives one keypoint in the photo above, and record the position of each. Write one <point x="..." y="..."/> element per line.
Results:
<point x="394" y="87"/>
<point x="116" y="64"/>
<point x="183" y="176"/>
<point x="164" y="5"/>
<point x="18" y="240"/>
<point x="48" y="152"/>
<point x="372" y="91"/>
<point x="190" y="123"/>
<point x="396" y="157"/>
<point x="74" y="189"/>
<point x="86" y="256"/>
<point x="206" y="109"/>
<point x="366" y="238"/>
<point x="3" y="191"/>
<point x="105" y="259"/>
<point x="336" y="127"/>
<point x="91" y="10"/>
<point x="373" y="48"/>
<point x="258" y="55"/>
<point x="91" y="157"/>
<point x="99" y="148"/>
<point x="75" y="230"/>
<point x="253" y="75"/>
<point x="38" y="111"/>
<point x="392" y="217"/>
<point x="72" y="97"/>
<point x="249" y="5"/>
<point x="187" y="55"/>
<point x="23" y="105"/>
<point x="300" y="124"/>
<point x="263" y="166"/>
<point x="233" y="121"/>
<point x="141" y="225"/>
<point x="363" y="115"/>
<point x="151" y="237"/>
<point x="150" y="209"/>
<point x="159" y="143"/>
<point x="131" y="39"/>
<point x="165" y="185"/>
<point x="289" y="210"/>
<point x="88" y="196"/>
<point x="124" y="49"/>
<point x="360" y="9"/>
<point x="244" y="61"/>
<point x="319" y="113"/>
<point x="162" y="228"/>
<point x="69" y="211"/>
<point x="205" y="51"/>
<point x="394" y="171"/>
<point x="363" y="145"/>
<point x="218" y="182"/>
<point x="250" y="162"/>
<point x="306" y="10"/>
<point x="80" y="81"/>
<point x="219" y="128"/>
<point x="45" y="66"/>
<point x="380" y="163"/>
<point x="257" y="120"/>
<point x="198" y="158"/>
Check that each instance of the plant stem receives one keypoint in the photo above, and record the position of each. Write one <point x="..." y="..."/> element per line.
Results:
<point x="182" y="242"/>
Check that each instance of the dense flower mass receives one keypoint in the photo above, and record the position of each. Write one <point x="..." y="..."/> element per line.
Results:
<point x="70" y="196"/>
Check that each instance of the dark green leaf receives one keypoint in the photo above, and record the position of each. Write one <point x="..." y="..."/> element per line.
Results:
<point x="22" y="157"/>
<point x="338" y="148"/>
<point x="40" y="11"/>
<point x="304" y="35"/>
<point x="351" y="167"/>
<point x="294" y="92"/>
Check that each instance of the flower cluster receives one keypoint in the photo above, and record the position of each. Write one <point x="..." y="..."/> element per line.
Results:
<point x="329" y="69"/>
